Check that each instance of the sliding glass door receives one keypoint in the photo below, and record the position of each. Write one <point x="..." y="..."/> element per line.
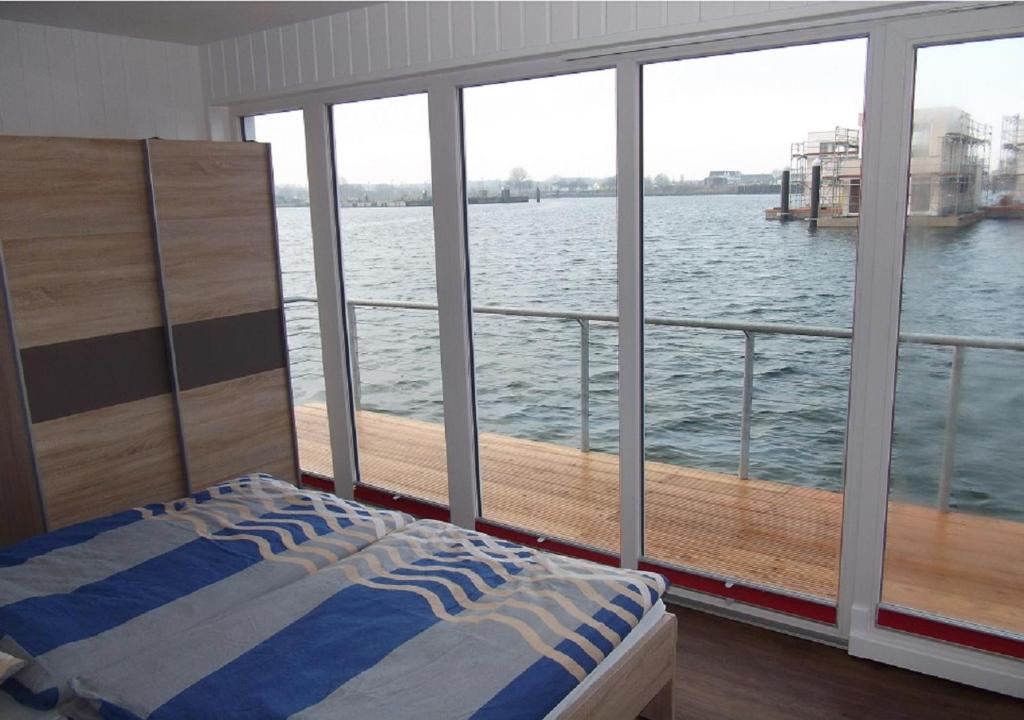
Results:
<point x="751" y="179"/>
<point x="285" y="133"/>
<point x="382" y="167"/>
<point x="955" y="529"/>
<point x="540" y="163"/>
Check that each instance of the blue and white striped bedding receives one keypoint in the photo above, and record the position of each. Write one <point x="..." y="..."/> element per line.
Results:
<point x="87" y="596"/>
<point x="257" y="600"/>
<point x="432" y="621"/>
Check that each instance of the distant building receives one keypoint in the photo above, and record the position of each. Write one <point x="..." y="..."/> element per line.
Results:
<point x="838" y="153"/>
<point x="717" y="178"/>
<point x="948" y="161"/>
<point x="949" y="153"/>
<point x="759" y="179"/>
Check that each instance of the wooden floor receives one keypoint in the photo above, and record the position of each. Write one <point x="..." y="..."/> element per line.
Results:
<point x="727" y="670"/>
<point x="953" y="564"/>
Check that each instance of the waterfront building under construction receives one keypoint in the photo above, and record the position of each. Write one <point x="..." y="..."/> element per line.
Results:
<point x="1008" y="182"/>
<point x="949" y="161"/>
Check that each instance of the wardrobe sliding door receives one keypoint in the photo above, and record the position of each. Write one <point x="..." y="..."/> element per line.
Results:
<point x="84" y="292"/>
<point x="214" y="211"/>
<point x="285" y="134"/>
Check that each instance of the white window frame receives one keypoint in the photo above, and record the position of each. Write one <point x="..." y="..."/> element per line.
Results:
<point x="876" y="332"/>
<point x="892" y="39"/>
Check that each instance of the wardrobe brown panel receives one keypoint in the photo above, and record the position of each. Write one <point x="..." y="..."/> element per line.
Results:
<point x="70" y="187"/>
<point x="218" y="243"/>
<point x="237" y="427"/>
<point x="217" y="266"/>
<point x="107" y="460"/>
<point x="71" y="288"/>
<point x="205" y="179"/>
<point x="21" y="511"/>
<point x="217" y="229"/>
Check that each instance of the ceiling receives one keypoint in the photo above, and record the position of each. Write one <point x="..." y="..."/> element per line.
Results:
<point x="193" y="23"/>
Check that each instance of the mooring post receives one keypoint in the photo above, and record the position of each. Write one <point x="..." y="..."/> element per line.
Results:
<point x="815" y="194"/>
<point x="784" y="197"/>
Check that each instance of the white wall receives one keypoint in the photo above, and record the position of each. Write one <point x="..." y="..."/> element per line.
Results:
<point x="55" y="81"/>
<point x="395" y="38"/>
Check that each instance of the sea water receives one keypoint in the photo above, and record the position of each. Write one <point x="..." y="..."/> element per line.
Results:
<point x="714" y="258"/>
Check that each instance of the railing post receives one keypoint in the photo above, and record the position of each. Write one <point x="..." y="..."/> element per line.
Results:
<point x="748" y="398"/>
<point x="949" y="445"/>
<point x="585" y="385"/>
<point x="353" y="343"/>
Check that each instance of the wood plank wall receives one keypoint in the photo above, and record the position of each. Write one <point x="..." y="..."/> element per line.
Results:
<point x="81" y="233"/>
<point x="76" y="83"/>
<point x="385" y="40"/>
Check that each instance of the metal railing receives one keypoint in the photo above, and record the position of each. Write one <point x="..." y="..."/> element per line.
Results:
<point x="959" y="345"/>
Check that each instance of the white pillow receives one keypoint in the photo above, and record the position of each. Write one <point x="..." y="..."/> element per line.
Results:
<point x="9" y="665"/>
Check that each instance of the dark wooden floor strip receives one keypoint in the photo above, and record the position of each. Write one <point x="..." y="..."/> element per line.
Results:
<point x="728" y="670"/>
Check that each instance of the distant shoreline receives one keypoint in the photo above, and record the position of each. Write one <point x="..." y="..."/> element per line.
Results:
<point x="427" y="202"/>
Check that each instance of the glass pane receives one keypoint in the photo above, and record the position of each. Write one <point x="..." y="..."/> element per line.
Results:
<point x="540" y="163"/>
<point x="748" y="314"/>
<point x="955" y="529"/>
<point x="387" y="240"/>
<point x="286" y="135"/>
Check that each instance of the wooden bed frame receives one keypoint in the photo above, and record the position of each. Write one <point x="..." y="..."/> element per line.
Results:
<point x="638" y="685"/>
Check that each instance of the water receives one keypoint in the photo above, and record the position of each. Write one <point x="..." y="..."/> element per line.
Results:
<point x="709" y="257"/>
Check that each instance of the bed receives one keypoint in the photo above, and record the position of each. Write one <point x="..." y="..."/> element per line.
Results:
<point x="256" y="599"/>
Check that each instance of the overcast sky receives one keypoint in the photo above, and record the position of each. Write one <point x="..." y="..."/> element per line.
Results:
<point x="732" y="112"/>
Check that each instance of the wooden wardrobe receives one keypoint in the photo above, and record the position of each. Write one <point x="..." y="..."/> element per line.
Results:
<point x="142" y="345"/>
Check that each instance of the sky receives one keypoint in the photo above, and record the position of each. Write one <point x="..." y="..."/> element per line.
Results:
<point x="730" y="112"/>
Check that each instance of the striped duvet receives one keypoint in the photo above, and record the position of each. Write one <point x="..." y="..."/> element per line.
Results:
<point x="299" y="605"/>
<point x="432" y="621"/>
<point x="87" y="596"/>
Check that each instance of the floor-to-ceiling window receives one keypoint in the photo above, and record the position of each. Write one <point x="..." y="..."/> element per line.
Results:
<point x="382" y="170"/>
<point x="540" y="169"/>
<point x="748" y="315"/>
<point x="285" y="133"/>
<point x="751" y="179"/>
<point x="955" y="529"/>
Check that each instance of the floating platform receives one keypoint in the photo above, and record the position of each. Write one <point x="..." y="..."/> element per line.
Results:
<point x="498" y="200"/>
<point x="829" y="220"/>
<point x="1005" y="212"/>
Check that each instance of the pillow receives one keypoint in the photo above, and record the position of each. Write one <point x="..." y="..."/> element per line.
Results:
<point x="9" y="665"/>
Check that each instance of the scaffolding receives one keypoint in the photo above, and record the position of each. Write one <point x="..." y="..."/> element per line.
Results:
<point x="949" y="162"/>
<point x="838" y="153"/>
<point x="1008" y="182"/>
<point x="965" y="159"/>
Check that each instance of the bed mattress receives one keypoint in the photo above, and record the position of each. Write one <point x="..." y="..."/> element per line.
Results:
<point x="647" y="625"/>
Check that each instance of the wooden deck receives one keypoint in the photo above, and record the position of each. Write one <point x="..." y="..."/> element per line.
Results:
<point x="956" y="565"/>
